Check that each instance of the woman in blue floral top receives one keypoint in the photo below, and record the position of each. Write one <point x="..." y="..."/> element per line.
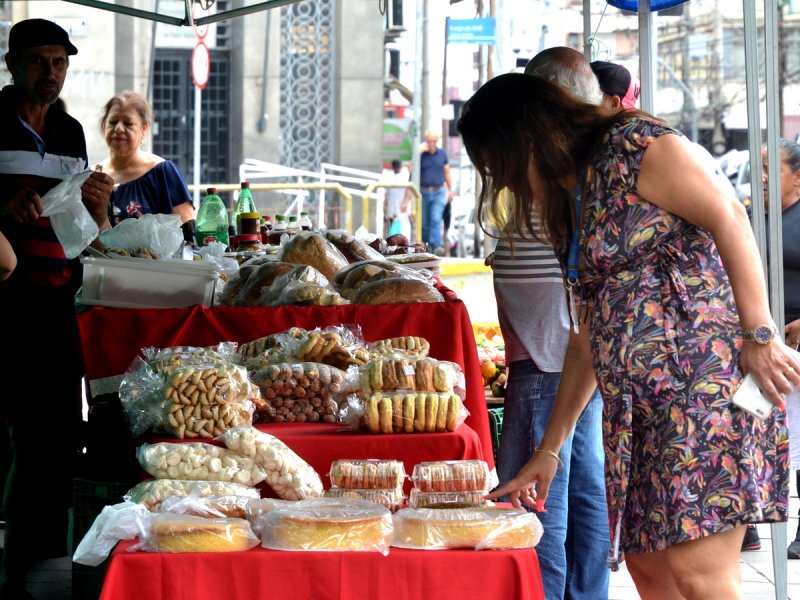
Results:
<point x="659" y="325"/>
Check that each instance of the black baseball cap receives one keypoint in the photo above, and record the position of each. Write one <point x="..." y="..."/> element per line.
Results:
<point x="617" y="80"/>
<point x="33" y="33"/>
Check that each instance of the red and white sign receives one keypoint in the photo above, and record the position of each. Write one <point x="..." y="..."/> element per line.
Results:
<point x="201" y="64"/>
<point x="198" y="12"/>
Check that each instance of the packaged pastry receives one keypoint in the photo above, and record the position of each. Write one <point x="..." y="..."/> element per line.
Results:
<point x="419" y="499"/>
<point x="299" y="391"/>
<point x="354" y="250"/>
<point x="478" y="528"/>
<point x="396" y="291"/>
<point x="274" y="340"/>
<point x="405" y="412"/>
<point x="255" y="509"/>
<point x="368" y="474"/>
<point x="310" y="248"/>
<point x="167" y="532"/>
<point x="326" y="524"/>
<point x="153" y="492"/>
<point x="407" y="344"/>
<point x="209" y="507"/>
<point x="391" y="498"/>
<point x="198" y="461"/>
<point x="288" y="475"/>
<point x="451" y="476"/>
<point x="388" y="373"/>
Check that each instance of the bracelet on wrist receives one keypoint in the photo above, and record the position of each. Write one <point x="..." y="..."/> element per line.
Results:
<point x="551" y="454"/>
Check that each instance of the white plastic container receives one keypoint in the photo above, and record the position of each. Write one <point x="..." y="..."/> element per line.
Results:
<point x="144" y="283"/>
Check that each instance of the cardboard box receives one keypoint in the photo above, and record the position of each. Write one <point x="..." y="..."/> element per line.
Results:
<point x="145" y="283"/>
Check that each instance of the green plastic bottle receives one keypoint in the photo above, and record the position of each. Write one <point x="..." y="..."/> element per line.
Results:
<point x="212" y="220"/>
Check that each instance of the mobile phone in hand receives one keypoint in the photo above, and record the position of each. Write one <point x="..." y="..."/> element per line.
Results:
<point x="749" y="398"/>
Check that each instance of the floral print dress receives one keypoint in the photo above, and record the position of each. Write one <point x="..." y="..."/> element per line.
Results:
<point x="681" y="461"/>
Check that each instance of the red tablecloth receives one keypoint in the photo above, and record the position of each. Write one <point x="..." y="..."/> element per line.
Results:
<point x="314" y="441"/>
<point x="260" y="573"/>
<point x="111" y="338"/>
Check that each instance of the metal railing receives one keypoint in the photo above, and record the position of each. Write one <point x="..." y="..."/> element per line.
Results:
<point x="379" y="206"/>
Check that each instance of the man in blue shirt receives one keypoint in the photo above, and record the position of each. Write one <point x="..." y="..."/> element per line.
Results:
<point x="434" y="175"/>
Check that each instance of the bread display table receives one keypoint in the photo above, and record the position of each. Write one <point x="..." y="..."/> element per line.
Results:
<point x="260" y="573"/>
<point x="111" y="338"/>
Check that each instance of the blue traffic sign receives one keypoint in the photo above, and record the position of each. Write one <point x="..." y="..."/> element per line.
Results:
<point x="471" y="31"/>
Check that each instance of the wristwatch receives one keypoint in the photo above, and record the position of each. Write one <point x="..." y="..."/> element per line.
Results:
<point x="763" y="334"/>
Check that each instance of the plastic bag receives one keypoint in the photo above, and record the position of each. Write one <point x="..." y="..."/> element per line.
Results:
<point x="389" y="373"/>
<point x="153" y="492"/>
<point x="73" y="225"/>
<point x="161" y="233"/>
<point x="339" y="346"/>
<point x="404" y="412"/>
<point x="210" y="507"/>
<point x="118" y="522"/>
<point x="311" y="248"/>
<point x="168" y="532"/>
<point x="288" y="475"/>
<point x="353" y="249"/>
<point x="198" y="461"/>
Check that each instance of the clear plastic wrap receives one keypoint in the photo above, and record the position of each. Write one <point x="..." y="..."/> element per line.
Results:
<point x="198" y="461"/>
<point x="353" y="249"/>
<point x="357" y="275"/>
<point x="478" y="528"/>
<point x="391" y="499"/>
<point x="300" y="274"/>
<point x="396" y="291"/>
<point x="412" y="345"/>
<point x="299" y="293"/>
<point x="299" y="391"/>
<point x="269" y="342"/>
<point x="404" y="412"/>
<point x="288" y="475"/>
<point x="369" y="473"/>
<point x="311" y="248"/>
<point x="398" y="372"/>
<point x="326" y="524"/>
<point x="168" y="532"/>
<point x="337" y="346"/>
<point x="160" y="232"/>
<point x="153" y="492"/>
<point x="208" y="507"/>
<point x="246" y="288"/>
<point x="163" y="359"/>
<point x="451" y="476"/>
<point x="420" y="499"/>
<point x="256" y="509"/>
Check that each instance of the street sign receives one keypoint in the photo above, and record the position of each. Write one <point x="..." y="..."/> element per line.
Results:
<point x="199" y="12"/>
<point x="471" y="31"/>
<point x="201" y="65"/>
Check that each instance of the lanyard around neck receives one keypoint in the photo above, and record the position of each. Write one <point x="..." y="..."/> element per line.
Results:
<point x="573" y="257"/>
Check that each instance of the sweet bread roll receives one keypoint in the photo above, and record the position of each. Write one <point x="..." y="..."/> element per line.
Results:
<point x="328" y="524"/>
<point x="369" y="474"/>
<point x="181" y="533"/>
<point x="478" y="528"/>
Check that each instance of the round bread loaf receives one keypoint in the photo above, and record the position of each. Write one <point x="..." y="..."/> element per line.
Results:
<point x="328" y="524"/>
<point x="479" y="528"/>
<point x="179" y="533"/>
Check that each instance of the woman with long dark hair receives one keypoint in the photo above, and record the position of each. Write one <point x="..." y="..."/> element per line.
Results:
<point x="665" y="331"/>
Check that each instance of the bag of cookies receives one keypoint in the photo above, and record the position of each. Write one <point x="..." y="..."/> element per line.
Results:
<point x="393" y="372"/>
<point x="404" y="412"/>
<point x="198" y="461"/>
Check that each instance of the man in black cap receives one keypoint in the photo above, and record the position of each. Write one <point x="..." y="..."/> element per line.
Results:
<point x="40" y="356"/>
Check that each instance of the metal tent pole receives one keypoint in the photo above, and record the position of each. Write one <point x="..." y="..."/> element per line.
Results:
<point x="647" y="57"/>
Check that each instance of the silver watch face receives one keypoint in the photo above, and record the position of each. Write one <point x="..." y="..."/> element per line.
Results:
<point x="763" y="334"/>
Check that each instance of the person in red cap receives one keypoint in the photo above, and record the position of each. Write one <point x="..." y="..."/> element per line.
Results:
<point x="40" y="355"/>
<point x="620" y="87"/>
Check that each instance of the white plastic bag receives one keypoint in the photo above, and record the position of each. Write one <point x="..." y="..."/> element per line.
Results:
<point x="161" y="233"/>
<point x="74" y="226"/>
<point x="121" y="521"/>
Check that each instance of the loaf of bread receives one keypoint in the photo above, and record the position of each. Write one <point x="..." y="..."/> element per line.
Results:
<point x="370" y="473"/>
<point x="169" y="532"/>
<point x="396" y="291"/>
<point x="451" y="476"/>
<point x="326" y="524"/>
<point x="352" y="249"/>
<point x="310" y="248"/>
<point x="478" y="528"/>
<point x="246" y="289"/>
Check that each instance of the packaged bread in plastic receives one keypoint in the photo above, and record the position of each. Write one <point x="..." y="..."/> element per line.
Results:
<point x="396" y="291"/>
<point x="478" y="528"/>
<point x="420" y="499"/>
<point x="405" y="412"/>
<point x="298" y="293"/>
<point x="391" y="498"/>
<point x="367" y="473"/>
<point x="268" y="342"/>
<point x="163" y="359"/>
<point x="355" y="274"/>
<point x="198" y="461"/>
<point x="209" y="507"/>
<point x="412" y="345"/>
<point x="253" y="278"/>
<point x="397" y="372"/>
<point x="451" y="476"/>
<point x="288" y="475"/>
<point x="205" y="401"/>
<point x="311" y="248"/>
<point x="353" y="249"/>
<point x="153" y="492"/>
<point x="168" y="532"/>
<point x="298" y="276"/>
<point x="299" y="391"/>
<point x="327" y="524"/>
<point x="337" y="346"/>
<point x="256" y="509"/>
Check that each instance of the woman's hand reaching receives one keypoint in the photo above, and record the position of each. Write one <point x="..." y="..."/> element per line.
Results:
<point x="530" y="485"/>
<point x="775" y="366"/>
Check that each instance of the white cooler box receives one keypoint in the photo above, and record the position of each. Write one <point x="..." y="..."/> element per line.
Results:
<point x="145" y="283"/>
